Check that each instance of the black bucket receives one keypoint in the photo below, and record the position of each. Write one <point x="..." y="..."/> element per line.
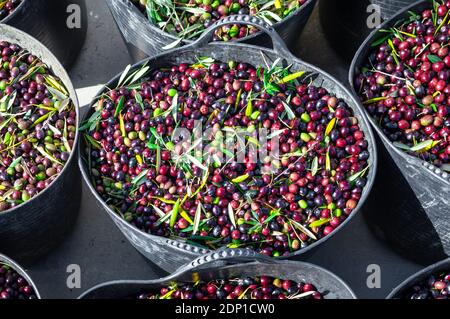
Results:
<point x="47" y="21"/>
<point x="144" y="39"/>
<point x="232" y="266"/>
<point x="11" y="263"/>
<point x="347" y="23"/>
<point x="418" y="193"/>
<point x="31" y="229"/>
<point x="418" y="277"/>
<point x="170" y="254"/>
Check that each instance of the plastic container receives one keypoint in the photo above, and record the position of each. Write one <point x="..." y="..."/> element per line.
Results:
<point x="144" y="39"/>
<point x="232" y="266"/>
<point x="170" y="254"/>
<point x="47" y="21"/>
<point x="401" y="289"/>
<point x="20" y="271"/>
<point x="31" y="229"/>
<point x="418" y="223"/>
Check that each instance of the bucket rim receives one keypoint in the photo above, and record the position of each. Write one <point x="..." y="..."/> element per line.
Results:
<point x="15" y="12"/>
<point x="174" y="276"/>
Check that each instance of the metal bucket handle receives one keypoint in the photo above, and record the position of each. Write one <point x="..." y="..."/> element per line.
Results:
<point x="279" y="47"/>
<point x="227" y="255"/>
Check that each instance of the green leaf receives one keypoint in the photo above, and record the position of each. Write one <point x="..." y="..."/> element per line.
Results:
<point x="92" y="122"/>
<point x="137" y="75"/>
<point x="11" y="100"/>
<point x="231" y="215"/>
<point x="197" y="218"/>
<point x="159" y="211"/>
<point x="291" y="77"/>
<point x="424" y="146"/>
<point x="122" y="125"/>
<point x="56" y="94"/>
<point x="196" y="162"/>
<point x="319" y="222"/>
<point x="330" y="126"/>
<point x="303" y="229"/>
<point x="124" y="75"/>
<point x="54" y="83"/>
<point x="119" y="106"/>
<point x="375" y="99"/>
<point x="174" y="215"/>
<point x="45" y="154"/>
<point x="93" y="142"/>
<point x="355" y="176"/>
<point x="273" y="214"/>
<point x="434" y="58"/>
<point x="15" y="162"/>
<point x="139" y="178"/>
<point x="174" y="106"/>
<point x="289" y="112"/>
<point x="381" y="40"/>
<point x="240" y="179"/>
<point x="249" y="108"/>
<point x="315" y="166"/>
<point x="402" y="146"/>
<point x="139" y="100"/>
<point x="328" y="161"/>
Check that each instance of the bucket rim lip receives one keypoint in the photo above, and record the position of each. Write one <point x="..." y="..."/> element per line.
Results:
<point x="175" y="275"/>
<point x="15" y="266"/>
<point x="431" y="169"/>
<point x="69" y="86"/>
<point x="174" y="38"/>
<point x="15" y="12"/>
<point x="417" y="276"/>
<point x="351" y="102"/>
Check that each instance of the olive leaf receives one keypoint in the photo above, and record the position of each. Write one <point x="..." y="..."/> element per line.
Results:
<point x="124" y="75"/>
<point x="291" y="77"/>
<point x="375" y="99"/>
<point x="122" y="125"/>
<point x="289" y="112"/>
<point x="119" y="106"/>
<point x="434" y="58"/>
<point x="425" y="145"/>
<point x="303" y="229"/>
<point x="240" y="179"/>
<point x="231" y="215"/>
<point x="174" y="213"/>
<point x="328" y="160"/>
<point x="355" y="176"/>
<point x="314" y="166"/>
<point x="197" y="218"/>
<point x="138" y="99"/>
<point x="330" y="126"/>
<point x="15" y="162"/>
<point x="319" y="222"/>
<point x="138" y="179"/>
